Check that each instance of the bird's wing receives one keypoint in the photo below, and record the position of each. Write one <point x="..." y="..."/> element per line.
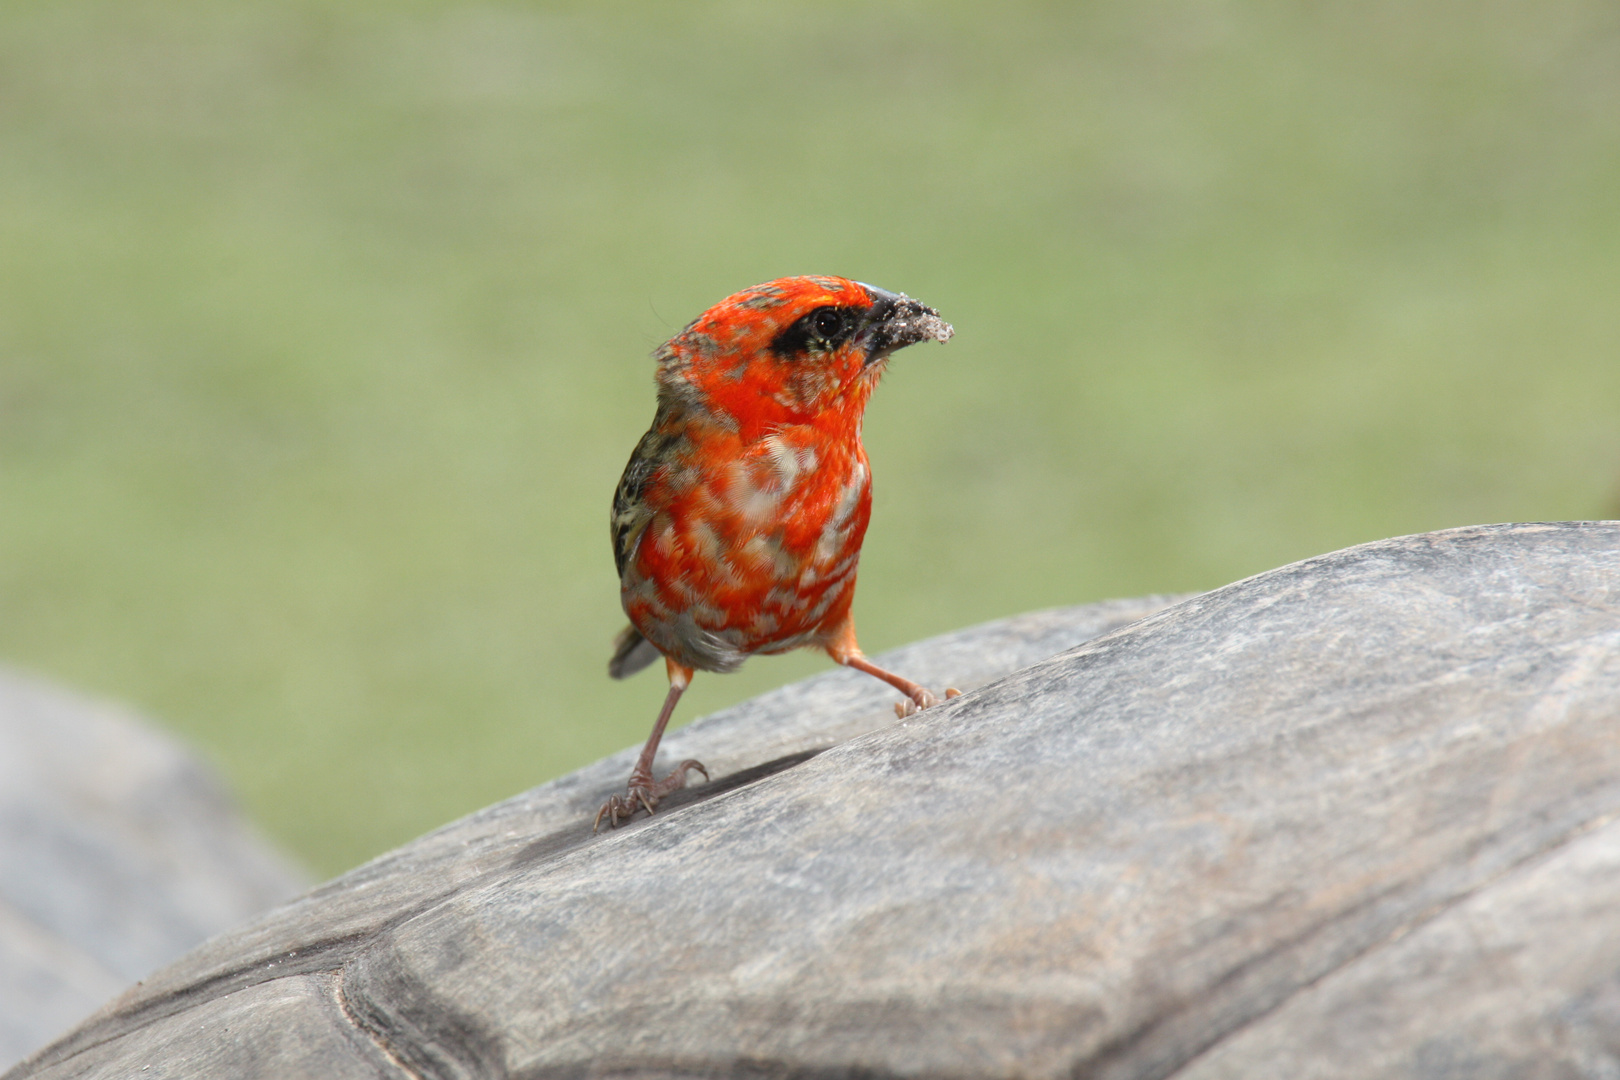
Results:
<point x="631" y="509"/>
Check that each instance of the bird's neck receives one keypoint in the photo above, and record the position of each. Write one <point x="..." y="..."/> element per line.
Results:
<point x="831" y="404"/>
<point x="837" y="418"/>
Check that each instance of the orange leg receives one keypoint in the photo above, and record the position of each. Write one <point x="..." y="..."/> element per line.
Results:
<point x="843" y="649"/>
<point x="642" y="792"/>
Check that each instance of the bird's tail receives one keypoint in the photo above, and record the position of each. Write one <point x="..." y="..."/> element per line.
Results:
<point x="631" y="653"/>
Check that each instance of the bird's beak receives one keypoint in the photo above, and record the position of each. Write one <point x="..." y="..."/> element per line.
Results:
<point x="895" y="320"/>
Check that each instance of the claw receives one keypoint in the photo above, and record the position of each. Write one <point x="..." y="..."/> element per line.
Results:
<point x="922" y="699"/>
<point x="643" y="794"/>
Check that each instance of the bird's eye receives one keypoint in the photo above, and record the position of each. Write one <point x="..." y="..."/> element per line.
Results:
<point x="815" y="332"/>
<point x="827" y="322"/>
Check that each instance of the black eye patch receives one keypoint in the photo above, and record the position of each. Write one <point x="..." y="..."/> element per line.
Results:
<point x="822" y="329"/>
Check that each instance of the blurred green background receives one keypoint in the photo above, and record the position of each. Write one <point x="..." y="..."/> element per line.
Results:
<point x="324" y="330"/>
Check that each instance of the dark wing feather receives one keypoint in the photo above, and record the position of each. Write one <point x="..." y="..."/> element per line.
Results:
<point x="631" y="513"/>
<point x="630" y="510"/>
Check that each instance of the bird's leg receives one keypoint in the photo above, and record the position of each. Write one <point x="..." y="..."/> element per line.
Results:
<point x="918" y="697"/>
<point x="643" y="792"/>
<point x="843" y="649"/>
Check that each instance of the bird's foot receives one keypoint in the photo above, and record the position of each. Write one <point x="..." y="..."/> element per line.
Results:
<point x="922" y="699"/>
<point x="643" y="793"/>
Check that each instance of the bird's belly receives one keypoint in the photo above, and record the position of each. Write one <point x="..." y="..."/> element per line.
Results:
<point x="792" y="611"/>
<point x="712" y="588"/>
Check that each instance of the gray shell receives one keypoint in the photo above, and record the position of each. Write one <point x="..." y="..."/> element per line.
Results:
<point x="1355" y="817"/>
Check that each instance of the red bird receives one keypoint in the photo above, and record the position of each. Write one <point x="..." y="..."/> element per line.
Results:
<point x="738" y="523"/>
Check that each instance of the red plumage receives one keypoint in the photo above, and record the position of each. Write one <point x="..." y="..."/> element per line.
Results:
<point x="737" y="526"/>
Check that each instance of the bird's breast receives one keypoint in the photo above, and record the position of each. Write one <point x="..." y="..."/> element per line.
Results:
<point x="760" y="548"/>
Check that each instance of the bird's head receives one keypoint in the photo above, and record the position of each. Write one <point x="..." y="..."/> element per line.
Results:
<point x="790" y="351"/>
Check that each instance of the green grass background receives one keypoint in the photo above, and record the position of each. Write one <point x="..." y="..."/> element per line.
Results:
<point x="324" y="330"/>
